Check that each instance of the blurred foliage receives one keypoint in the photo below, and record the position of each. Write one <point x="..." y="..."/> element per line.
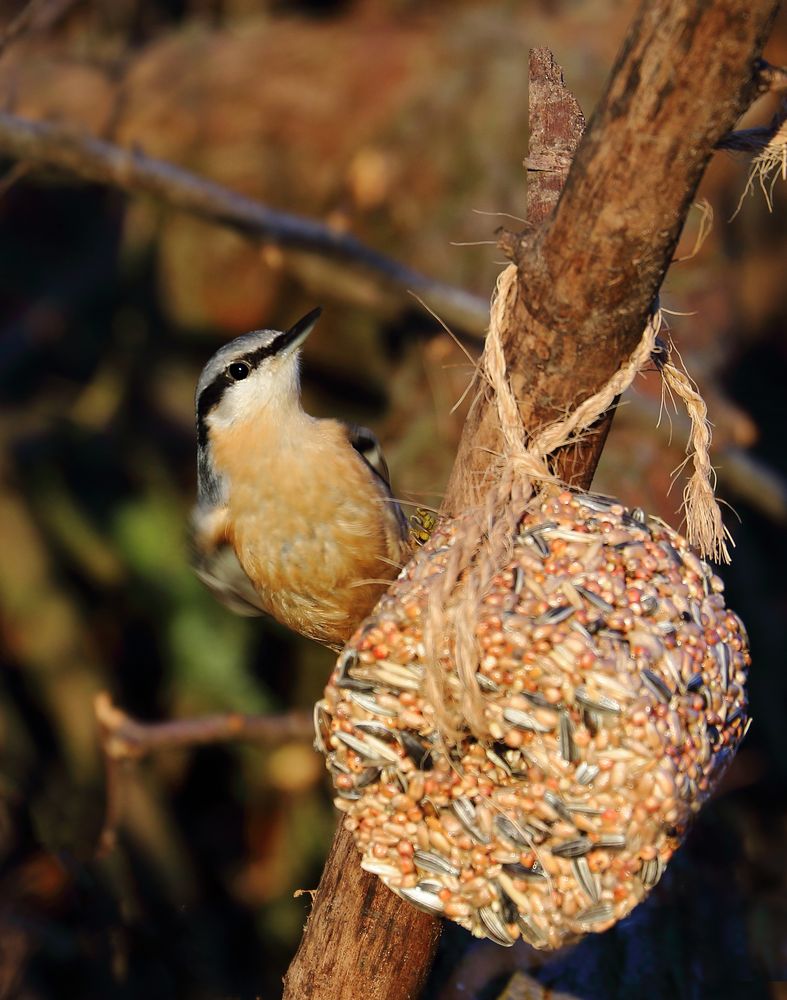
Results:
<point x="395" y="120"/>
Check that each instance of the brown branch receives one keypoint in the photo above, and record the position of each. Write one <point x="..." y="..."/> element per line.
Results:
<point x="51" y="145"/>
<point x="38" y="14"/>
<point x="770" y="79"/>
<point x="686" y="71"/>
<point x="359" y="931"/>
<point x="124" y="739"/>
<point x="556" y="126"/>
<point x="754" y="140"/>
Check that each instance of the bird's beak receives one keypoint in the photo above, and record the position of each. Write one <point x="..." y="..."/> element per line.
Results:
<point x="298" y="332"/>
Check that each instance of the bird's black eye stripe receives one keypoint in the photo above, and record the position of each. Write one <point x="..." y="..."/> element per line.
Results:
<point x="239" y="370"/>
<point x="210" y="396"/>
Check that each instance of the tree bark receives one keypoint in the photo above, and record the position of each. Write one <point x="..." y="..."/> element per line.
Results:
<point x="351" y="905"/>
<point x="589" y="277"/>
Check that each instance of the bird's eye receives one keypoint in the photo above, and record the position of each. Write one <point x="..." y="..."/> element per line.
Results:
<point x="239" y="370"/>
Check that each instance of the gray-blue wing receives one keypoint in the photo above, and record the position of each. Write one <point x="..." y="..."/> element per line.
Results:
<point x="221" y="572"/>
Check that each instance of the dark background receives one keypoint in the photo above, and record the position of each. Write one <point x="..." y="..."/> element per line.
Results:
<point x="400" y="122"/>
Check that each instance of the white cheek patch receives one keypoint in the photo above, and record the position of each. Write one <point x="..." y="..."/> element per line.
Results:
<point x="273" y="385"/>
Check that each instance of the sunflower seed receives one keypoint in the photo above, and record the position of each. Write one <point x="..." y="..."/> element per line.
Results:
<point x="586" y="773"/>
<point x="651" y="872"/>
<point x="722" y="653"/>
<point x="672" y="552"/>
<point x="423" y="898"/>
<point x="486" y="683"/>
<point x="537" y="529"/>
<point x="509" y="908"/>
<point x="418" y="752"/>
<point x="568" y="749"/>
<point x="572" y="848"/>
<point x="537" y="699"/>
<point x="580" y="629"/>
<point x="597" y="704"/>
<point x="494" y="927"/>
<point x="507" y="828"/>
<point x="558" y="805"/>
<point x="524" y="720"/>
<point x="597" y="914"/>
<point x="368" y="704"/>
<point x="585" y="879"/>
<point x="656" y="686"/>
<point x="611" y="841"/>
<point x="370" y="748"/>
<point x="531" y="932"/>
<point x="538" y="541"/>
<point x="375" y="729"/>
<point x="322" y="729"/>
<point x="497" y="760"/>
<point x="354" y="683"/>
<point x="437" y="864"/>
<point x="466" y="814"/>
<point x="516" y="870"/>
<point x="649" y="604"/>
<point x="555" y="615"/>
<point x="597" y="502"/>
<point x="595" y="599"/>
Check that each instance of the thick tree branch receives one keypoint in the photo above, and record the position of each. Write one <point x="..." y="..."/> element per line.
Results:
<point x="351" y="905"/>
<point x="90" y="159"/>
<point x="686" y="71"/>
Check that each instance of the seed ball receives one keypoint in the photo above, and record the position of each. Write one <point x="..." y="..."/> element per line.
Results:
<point x="611" y="681"/>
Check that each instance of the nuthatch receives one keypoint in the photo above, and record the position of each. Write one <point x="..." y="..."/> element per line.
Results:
<point x="294" y="515"/>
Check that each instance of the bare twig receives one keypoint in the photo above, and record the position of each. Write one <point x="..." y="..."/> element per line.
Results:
<point x="754" y="140"/>
<point x="770" y="79"/>
<point x="124" y="739"/>
<point x="556" y="126"/>
<point x="91" y="159"/>
<point x="37" y="13"/>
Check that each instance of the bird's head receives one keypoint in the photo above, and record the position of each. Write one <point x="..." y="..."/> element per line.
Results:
<point x="253" y="378"/>
<point x="252" y="373"/>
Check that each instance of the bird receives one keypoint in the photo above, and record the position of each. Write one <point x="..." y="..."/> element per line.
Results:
<point x="294" y="516"/>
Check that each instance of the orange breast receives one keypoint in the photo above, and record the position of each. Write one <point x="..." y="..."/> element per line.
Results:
<point x="309" y="525"/>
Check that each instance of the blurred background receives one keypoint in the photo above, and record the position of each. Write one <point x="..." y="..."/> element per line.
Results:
<point x="405" y="124"/>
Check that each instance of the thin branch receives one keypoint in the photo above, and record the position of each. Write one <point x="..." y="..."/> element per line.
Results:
<point x="37" y="14"/>
<point x="53" y="145"/>
<point x="124" y="739"/>
<point x="770" y="79"/>
<point x="556" y="126"/>
<point x="754" y="140"/>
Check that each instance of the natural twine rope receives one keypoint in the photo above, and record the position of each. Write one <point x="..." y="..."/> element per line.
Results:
<point x="484" y="538"/>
